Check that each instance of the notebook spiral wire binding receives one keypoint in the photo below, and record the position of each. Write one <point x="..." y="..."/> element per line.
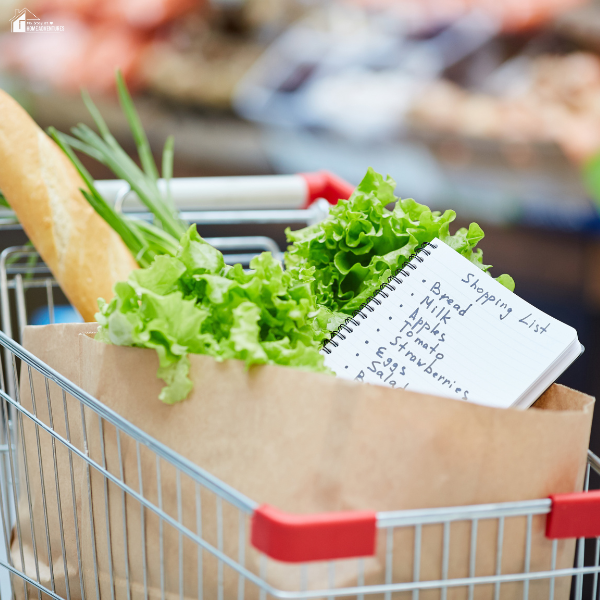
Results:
<point x="380" y="292"/>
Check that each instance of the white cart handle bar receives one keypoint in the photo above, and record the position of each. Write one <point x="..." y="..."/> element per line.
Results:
<point x="235" y="193"/>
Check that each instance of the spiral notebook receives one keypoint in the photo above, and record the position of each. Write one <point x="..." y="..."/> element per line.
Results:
<point x="441" y="326"/>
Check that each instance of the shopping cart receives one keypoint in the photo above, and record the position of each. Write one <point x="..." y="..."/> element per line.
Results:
<point x="53" y="518"/>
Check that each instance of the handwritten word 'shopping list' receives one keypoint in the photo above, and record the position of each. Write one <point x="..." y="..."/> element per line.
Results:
<point x="449" y="329"/>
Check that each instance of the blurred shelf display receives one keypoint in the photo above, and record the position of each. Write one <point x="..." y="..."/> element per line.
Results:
<point x="191" y="50"/>
<point x="512" y="16"/>
<point x="481" y="179"/>
<point x="488" y="112"/>
<point x="546" y="98"/>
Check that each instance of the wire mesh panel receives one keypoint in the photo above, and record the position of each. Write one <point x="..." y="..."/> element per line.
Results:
<point x="98" y="509"/>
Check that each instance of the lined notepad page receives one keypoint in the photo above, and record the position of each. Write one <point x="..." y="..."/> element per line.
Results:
<point x="449" y="329"/>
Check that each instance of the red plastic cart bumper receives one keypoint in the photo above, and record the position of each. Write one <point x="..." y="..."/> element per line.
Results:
<point x="574" y="515"/>
<point x="300" y="538"/>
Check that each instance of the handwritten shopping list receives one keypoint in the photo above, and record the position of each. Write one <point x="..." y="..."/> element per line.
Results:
<point x="450" y="329"/>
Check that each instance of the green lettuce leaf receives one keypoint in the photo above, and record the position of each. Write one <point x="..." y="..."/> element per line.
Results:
<point x="194" y="303"/>
<point x="346" y="257"/>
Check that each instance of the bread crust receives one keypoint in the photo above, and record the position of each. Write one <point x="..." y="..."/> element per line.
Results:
<point x="43" y="188"/>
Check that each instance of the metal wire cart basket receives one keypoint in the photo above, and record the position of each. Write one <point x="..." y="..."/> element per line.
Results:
<point x="53" y="516"/>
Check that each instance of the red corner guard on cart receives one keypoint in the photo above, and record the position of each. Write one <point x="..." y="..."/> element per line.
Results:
<point x="324" y="184"/>
<point x="327" y="536"/>
<point x="574" y="515"/>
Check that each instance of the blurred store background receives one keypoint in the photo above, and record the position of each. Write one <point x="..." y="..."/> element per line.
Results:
<point x="488" y="107"/>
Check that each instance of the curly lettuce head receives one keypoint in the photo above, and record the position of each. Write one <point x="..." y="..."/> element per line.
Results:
<point x="195" y="303"/>
<point x="351" y="253"/>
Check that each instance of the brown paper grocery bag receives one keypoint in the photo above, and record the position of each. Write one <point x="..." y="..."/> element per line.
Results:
<point x="309" y="443"/>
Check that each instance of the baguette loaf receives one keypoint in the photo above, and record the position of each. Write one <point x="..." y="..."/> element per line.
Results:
<point x="43" y="188"/>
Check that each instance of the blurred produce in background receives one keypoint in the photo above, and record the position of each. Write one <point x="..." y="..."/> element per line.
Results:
<point x="186" y="49"/>
<point x="546" y="98"/>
